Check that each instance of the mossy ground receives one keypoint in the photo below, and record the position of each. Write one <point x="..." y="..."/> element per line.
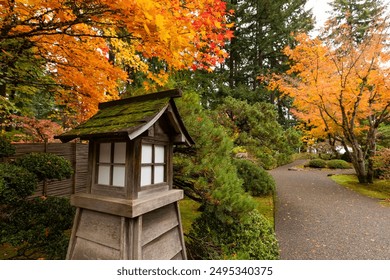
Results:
<point x="380" y="189"/>
<point x="189" y="211"/>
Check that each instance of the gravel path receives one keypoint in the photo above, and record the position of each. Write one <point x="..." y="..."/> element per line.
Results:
<point x="316" y="219"/>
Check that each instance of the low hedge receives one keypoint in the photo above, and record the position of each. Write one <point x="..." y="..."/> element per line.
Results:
<point x="332" y="164"/>
<point x="338" y="164"/>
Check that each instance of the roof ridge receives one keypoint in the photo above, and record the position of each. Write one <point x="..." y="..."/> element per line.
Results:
<point x="172" y="93"/>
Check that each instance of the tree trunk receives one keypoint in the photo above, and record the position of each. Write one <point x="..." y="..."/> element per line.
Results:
<point x="3" y="90"/>
<point x="371" y="150"/>
<point x="360" y="169"/>
<point x="358" y="161"/>
<point x="232" y="57"/>
<point x="333" y="142"/>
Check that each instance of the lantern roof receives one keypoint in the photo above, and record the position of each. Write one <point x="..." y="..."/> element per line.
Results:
<point x="131" y="117"/>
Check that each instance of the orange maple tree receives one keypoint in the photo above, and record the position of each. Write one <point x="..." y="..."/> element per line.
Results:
<point x="85" y="45"/>
<point x="342" y="91"/>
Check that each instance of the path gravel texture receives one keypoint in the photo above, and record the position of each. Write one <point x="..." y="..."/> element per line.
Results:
<point x="316" y="219"/>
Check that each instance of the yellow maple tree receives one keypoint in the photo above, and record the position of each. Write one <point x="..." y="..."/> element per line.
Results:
<point x="342" y="91"/>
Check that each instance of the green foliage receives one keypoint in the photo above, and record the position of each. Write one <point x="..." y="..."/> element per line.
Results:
<point x="256" y="180"/>
<point x="228" y="227"/>
<point x="255" y="127"/>
<point x="205" y="171"/>
<point x="6" y="148"/>
<point x="316" y="163"/>
<point x="36" y="227"/>
<point x="46" y="165"/>
<point x="16" y="183"/>
<point x="7" y="108"/>
<point x="39" y="228"/>
<point x="359" y="15"/>
<point x="338" y="164"/>
<point x="28" y="87"/>
<point x="252" y="239"/>
<point x="262" y="30"/>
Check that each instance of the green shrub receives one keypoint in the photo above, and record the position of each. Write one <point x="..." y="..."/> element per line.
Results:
<point x="6" y="148"/>
<point x="316" y="163"/>
<point x="256" y="180"/>
<point x="252" y="239"/>
<point x="46" y="165"/>
<point x="382" y="164"/>
<point x="338" y="164"/>
<point x="284" y="159"/>
<point x="16" y="183"/>
<point x="39" y="228"/>
<point x="265" y="159"/>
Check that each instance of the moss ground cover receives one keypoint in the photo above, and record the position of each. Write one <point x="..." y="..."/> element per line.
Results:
<point x="380" y="189"/>
<point x="189" y="212"/>
<point x="265" y="205"/>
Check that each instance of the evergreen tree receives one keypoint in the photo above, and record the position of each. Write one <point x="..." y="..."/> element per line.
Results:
<point x="229" y="226"/>
<point x="206" y="171"/>
<point x="254" y="127"/>
<point x="354" y="18"/>
<point x="262" y="28"/>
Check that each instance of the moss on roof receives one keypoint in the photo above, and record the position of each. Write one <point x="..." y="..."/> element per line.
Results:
<point x="122" y="116"/>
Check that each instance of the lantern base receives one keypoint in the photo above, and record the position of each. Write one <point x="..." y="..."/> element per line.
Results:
<point x="112" y="233"/>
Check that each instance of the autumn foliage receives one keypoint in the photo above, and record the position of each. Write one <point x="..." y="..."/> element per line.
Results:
<point x="90" y="49"/>
<point x="341" y="90"/>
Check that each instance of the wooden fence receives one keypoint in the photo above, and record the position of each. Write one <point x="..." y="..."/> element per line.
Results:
<point x="76" y="153"/>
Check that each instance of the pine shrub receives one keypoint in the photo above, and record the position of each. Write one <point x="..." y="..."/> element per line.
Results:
<point x="6" y="148"/>
<point x="17" y="183"/>
<point x="206" y="171"/>
<point x="226" y="229"/>
<point x="46" y="165"/>
<point x="256" y="180"/>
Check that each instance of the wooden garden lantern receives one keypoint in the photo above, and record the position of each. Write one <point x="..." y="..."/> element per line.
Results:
<point x="130" y="210"/>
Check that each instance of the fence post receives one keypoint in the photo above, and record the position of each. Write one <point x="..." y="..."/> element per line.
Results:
<point x="74" y="167"/>
<point x="44" y="188"/>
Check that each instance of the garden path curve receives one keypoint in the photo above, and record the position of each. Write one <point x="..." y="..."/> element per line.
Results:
<point x="316" y="219"/>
